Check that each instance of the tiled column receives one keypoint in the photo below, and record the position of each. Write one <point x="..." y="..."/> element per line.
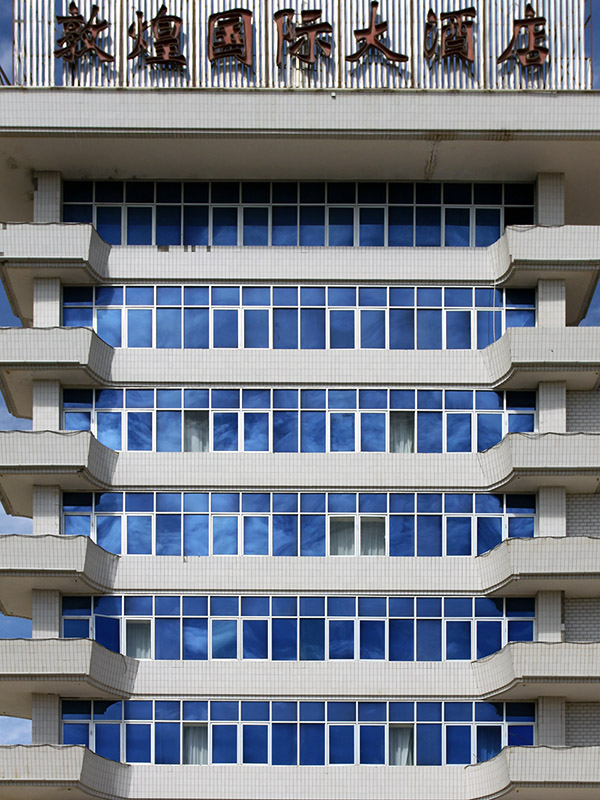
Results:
<point x="47" y="197"/>
<point x="46" y="510"/>
<point x="552" y="511"/>
<point x="552" y="407"/>
<point x="45" y="614"/>
<point x="45" y="717"/>
<point x="46" y="406"/>
<point x="46" y="302"/>
<point x="548" y="616"/>
<point x="551" y="721"/>
<point x="551" y="304"/>
<point x="550" y="206"/>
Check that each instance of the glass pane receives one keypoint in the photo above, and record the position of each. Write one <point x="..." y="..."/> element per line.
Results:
<point x="341" y="536"/>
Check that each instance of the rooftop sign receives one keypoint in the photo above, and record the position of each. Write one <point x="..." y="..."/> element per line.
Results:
<point x="420" y="44"/>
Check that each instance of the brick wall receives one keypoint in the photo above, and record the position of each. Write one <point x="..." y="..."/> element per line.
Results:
<point x="582" y="619"/>
<point x="583" y="411"/>
<point x="582" y="724"/>
<point x="583" y="515"/>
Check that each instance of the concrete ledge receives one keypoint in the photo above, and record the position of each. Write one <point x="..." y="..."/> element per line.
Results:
<point x="524" y="254"/>
<point x="83" y="668"/>
<point x="72" y="773"/>
<point x="77" y="356"/>
<point x="76" y="565"/>
<point x="76" y="461"/>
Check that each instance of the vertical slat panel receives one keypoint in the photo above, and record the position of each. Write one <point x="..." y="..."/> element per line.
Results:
<point x="35" y="33"/>
<point x="373" y="70"/>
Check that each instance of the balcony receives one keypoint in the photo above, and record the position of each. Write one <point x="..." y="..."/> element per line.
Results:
<point x="71" y="772"/>
<point x="75" y="254"/>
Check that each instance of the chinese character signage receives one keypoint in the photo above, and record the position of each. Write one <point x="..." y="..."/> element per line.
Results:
<point x="314" y="43"/>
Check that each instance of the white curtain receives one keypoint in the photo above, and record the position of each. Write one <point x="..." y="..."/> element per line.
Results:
<point x="196" y="432"/>
<point x="341" y="536"/>
<point x="402" y="432"/>
<point x="372" y="536"/>
<point x="401" y="746"/>
<point x="195" y="744"/>
<point x="138" y="639"/>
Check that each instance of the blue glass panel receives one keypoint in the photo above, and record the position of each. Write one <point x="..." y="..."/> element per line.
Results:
<point x="139" y="431"/>
<point x="168" y="535"/>
<point x="458" y="536"/>
<point x="372" y="329"/>
<point x="312" y="226"/>
<point x="224" y="744"/>
<point x="83" y="213"/>
<point x="285" y="535"/>
<point x="312" y="639"/>
<point x="285" y="606"/>
<point x="342" y="435"/>
<point x="458" y="640"/>
<point x="458" y="744"/>
<point x="256" y="536"/>
<point x="139" y="535"/>
<point x="489" y="712"/>
<point x="109" y="429"/>
<point x="489" y="638"/>
<point x="458" y="330"/>
<point x="139" y="225"/>
<point x="195" y="535"/>
<point x="225" y="328"/>
<point x="225" y="536"/>
<point x="429" y="329"/>
<point x="285" y="328"/>
<point x="520" y="631"/>
<point x="73" y="605"/>
<point x="429" y="640"/>
<point x="489" y="741"/>
<point x="341" y="606"/>
<point x="284" y="639"/>
<point x="256" y="227"/>
<point x="520" y="606"/>
<point x="400" y="226"/>
<point x="489" y="430"/>
<point x="108" y="604"/>
<point x="312" y="606"/>
<point x="79" y="317"/>
<point x="167" y="635"/>
<point x="429" y="745"/>
<point x="166" y="743"/>
<point x="341" y="227"/>
<point x="168" y="327"/>
<point x="256" y="328"/>
<point x="521" y="423"/>
<point x="312" y="329"/>
<point x="341" y="744"/>
<point x="429" y="607"/>
<point x="168" y="431"/>
<point x="76" y="629"/>
<point x="109" y="326"/>
<point x="489" y="533"/>
<point x="224" y="606"/>
<point x="284" y="711"/>
<point x="139" y="328"/>
<point x="312" y="436"/>
<point x="77" y="421"/>
<point x="520" y="712"/>
<point x="255" y="644"/>
<point x="76" y="709"/>
<point x="255" y="744"/>
<point x="521" y="318"/>
<point x="285" y="226"/>
<point x="341" y="329"/>
<point x="520" y="735"/>
<point x="225" y="432"/>
<point x="168" y="225"/>
<point x="312" y="535"/>
<point x="224" y="226"/>
<point x="108" y="741"/>
<point x="429" y="432"/>
<point x="107" y="633"/>
<point x="341" y="639"/>
<point x="76" y="734"/>
<point x="284" y="743"/>
<point x="372" y="744"/>
<point x="312" y="744"/>
<point x="521" y="527"/>
<point x="337" y="503"/>
<point x="459" y="433"/>
<point x="372" y="433"/>
<point x="224" y="638"/>
<point x="488" y="607"/>
<point x="108" y="224"/>
<point x="108" y="533"/>
<point x="137" y="743"/>
<point x="256" y="432"/>
<point x="489" y="327"/>
<point x="457" y="227"/>
<point x="402" y="535"/>
<point x="371" y="227"/>
<point x="428" y="227"/>
<point x="372" y="639"/>
<point x="285" y="432"/>
<point x="253" y="501"/>
<point x="195" y="639"/>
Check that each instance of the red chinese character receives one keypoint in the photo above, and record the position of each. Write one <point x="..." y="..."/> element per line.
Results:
<point x="533" y="52"/>
<point x="166" y="35"/>
<point x="79" y="37"/>
<point x="456" y="36"/>
<point x="368" y="38"/>
<point x="230" y="35"/>
<point x="304" y="39"/>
